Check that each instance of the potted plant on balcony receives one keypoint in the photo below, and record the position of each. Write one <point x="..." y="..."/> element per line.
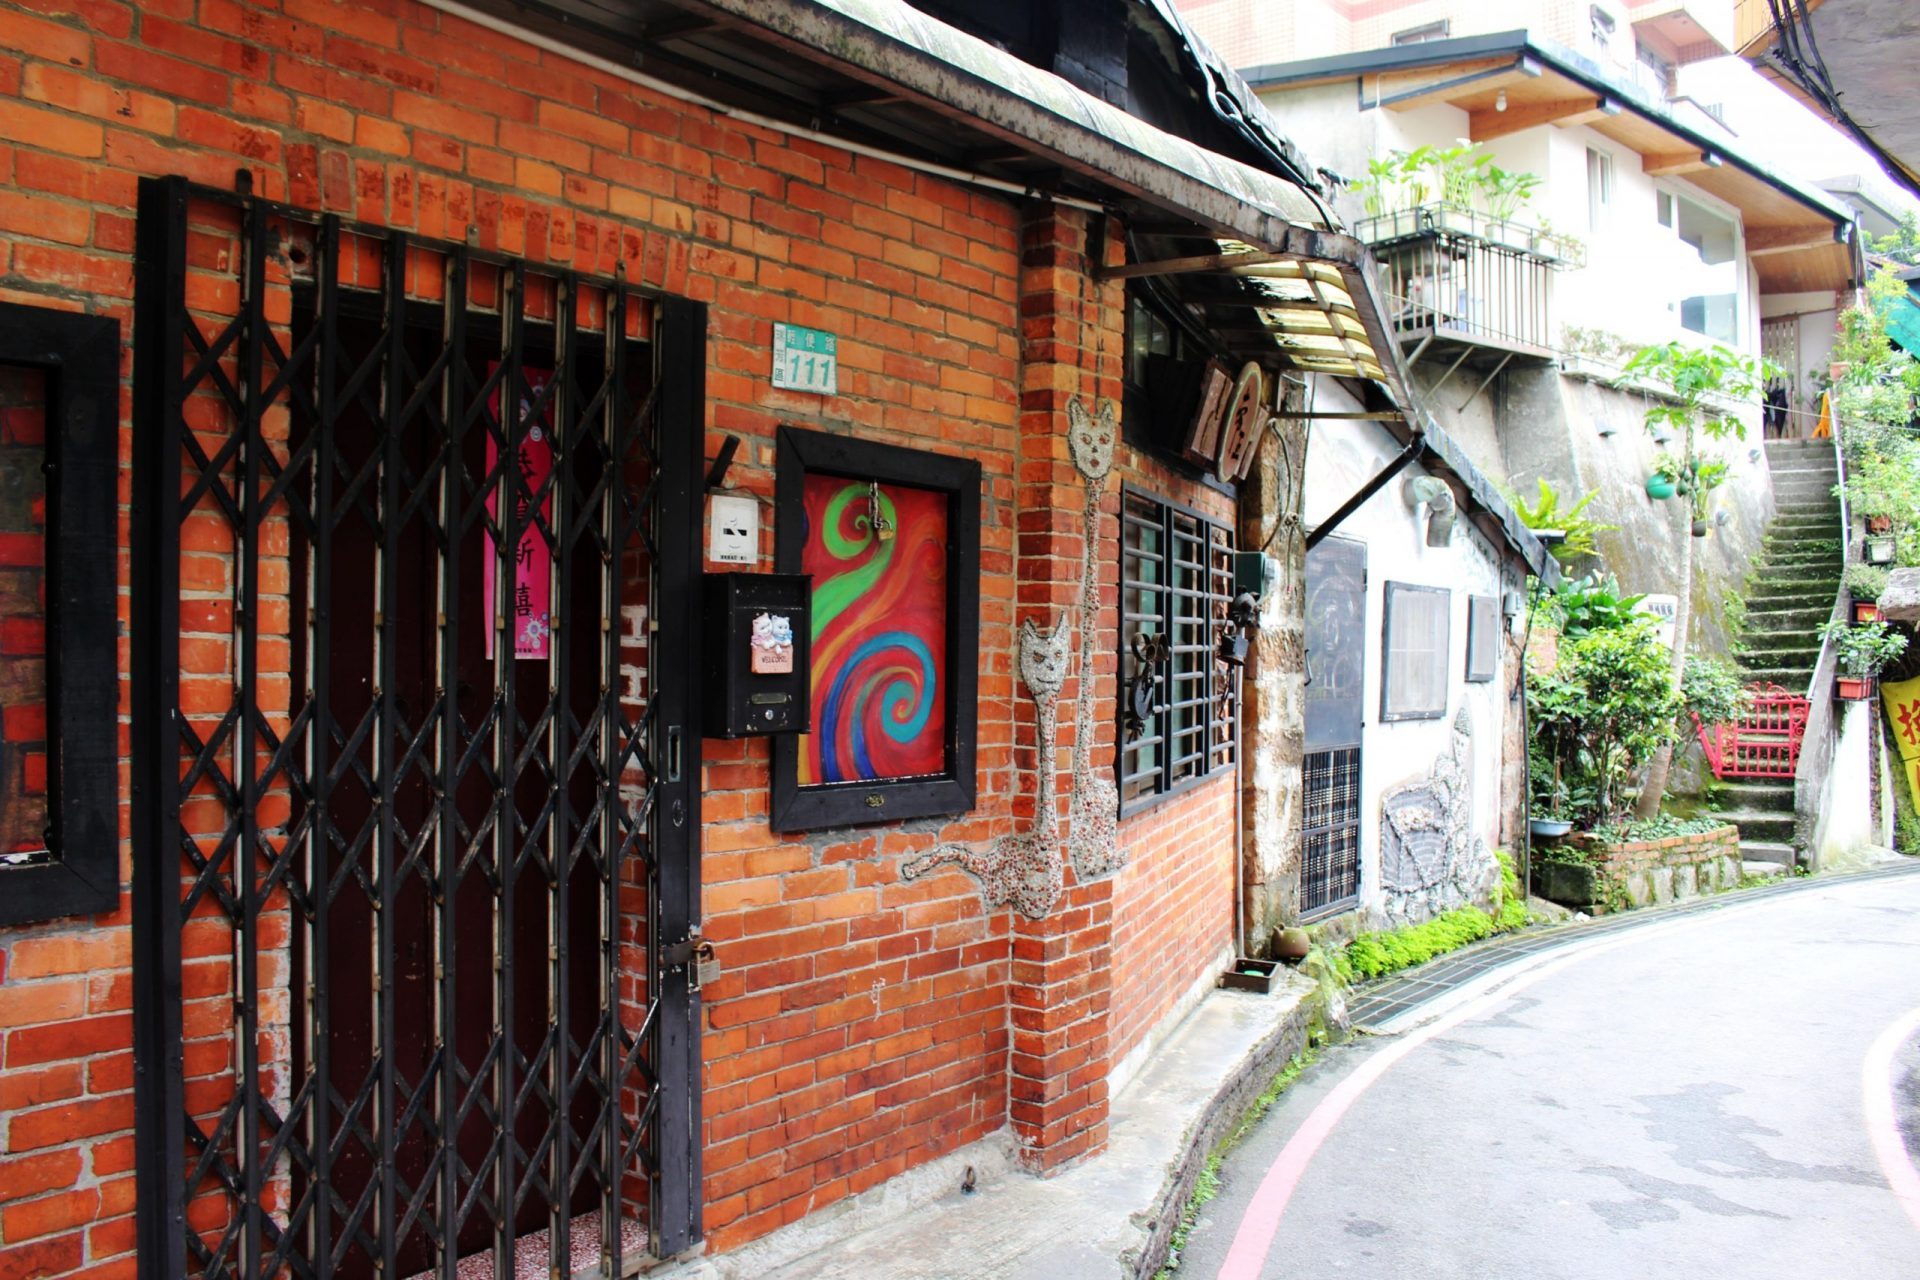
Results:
<point x="1504" y="193"/>
<point x="1861" y="652"/>
<point x="1866" y="583"/>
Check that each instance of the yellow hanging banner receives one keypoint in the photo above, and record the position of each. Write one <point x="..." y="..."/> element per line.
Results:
<point x="1903" y="709"/>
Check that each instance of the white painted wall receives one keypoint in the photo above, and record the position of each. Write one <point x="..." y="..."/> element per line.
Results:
<point x="1340" y="458"/>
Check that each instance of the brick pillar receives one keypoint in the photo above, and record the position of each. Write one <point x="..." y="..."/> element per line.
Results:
<point x="1072" y="336"/>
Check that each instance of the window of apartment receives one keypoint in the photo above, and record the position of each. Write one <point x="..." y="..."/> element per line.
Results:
<point x="1413" y="685"/>
<point x="1705" y="280"/>
<point x="1422" y="34"/>
<point x="1599" y="188"/>
<point x="1148" y="334"/>
<point x="1336" y="662"/>
<point x="1654" y="69"/>
<point x="1603" y="27"/>
<point x="1176" y="580"/>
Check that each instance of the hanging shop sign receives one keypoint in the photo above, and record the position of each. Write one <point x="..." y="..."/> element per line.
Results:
<point x="806" y="359"/>
<point x="1903" y="707"/>
<point x="529" y="604"/>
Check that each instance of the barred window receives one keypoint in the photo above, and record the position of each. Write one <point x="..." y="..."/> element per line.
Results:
<point x="1330" y="862"/>
<point x="1176" y="580"/>
<point x="1414" y="684"/>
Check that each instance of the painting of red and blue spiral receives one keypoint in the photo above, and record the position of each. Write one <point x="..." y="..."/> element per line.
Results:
<point x="879" y="631"/>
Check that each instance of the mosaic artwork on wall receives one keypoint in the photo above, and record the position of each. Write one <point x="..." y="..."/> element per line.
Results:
<point x="1430" y="860"/>
<point x="1093" y="818"/>
<point x="890" y="541"/>
<point x="1022" y="870"/>
<point x="23" y="611"/>
<point x="878" y="556"/>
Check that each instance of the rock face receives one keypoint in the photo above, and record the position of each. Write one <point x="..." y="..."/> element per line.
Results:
<point x="1900" y="602"/>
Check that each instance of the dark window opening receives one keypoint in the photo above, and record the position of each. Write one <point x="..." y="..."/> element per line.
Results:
<point x="1176" y="580"/>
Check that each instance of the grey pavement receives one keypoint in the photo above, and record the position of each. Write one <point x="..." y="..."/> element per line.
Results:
<point x="1678" y="1099"/>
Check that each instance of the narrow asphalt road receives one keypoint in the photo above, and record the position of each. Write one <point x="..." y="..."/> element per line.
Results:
<point x="1733" y="1094"/>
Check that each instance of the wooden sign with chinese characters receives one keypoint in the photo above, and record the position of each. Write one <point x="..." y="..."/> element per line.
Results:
<point x="529" y="603"/>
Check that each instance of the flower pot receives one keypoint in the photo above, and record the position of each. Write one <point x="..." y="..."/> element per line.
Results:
<point x="1880" y="548"/>
<point x="1853" y="688"/>
<point x="1291" y="944"/>
<point x="1548" y="828"/>
<point x="1659" y="487"/>
<point x="1879" y="524"/>
<point x="1250" y="975"/>
<point x="1699" y="528"/>
<point x="1866" y="611"/>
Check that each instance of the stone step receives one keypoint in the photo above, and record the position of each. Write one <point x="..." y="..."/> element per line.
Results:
<point x="1780" y="855"/>
<point x="1794" y="653"/>
<point x="1792" y="679"/>
<point x="1764" y="870"/>
<point x="1761" y="824"/>
<point x="1762" y="622"/>
<point x="1755" y="795"/>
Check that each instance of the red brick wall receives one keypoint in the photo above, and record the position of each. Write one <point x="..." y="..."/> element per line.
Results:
<point x="862" y="1025"/>
<point x="1173" y="901"/>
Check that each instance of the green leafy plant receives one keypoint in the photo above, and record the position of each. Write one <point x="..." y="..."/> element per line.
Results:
<point x="1715" y="691"/>
<point x="1506" y="192"/>
<point x="1597" y="716"/>
<point x="1581" y="606"/>
<point x="1703" y="384"/>
<point x="1660" y="827"/>
<point x="1457" y="174"/>
<point x="1865" y="581"/>
<point x="1582" y="531"/>
<point x="1865" y="650"/>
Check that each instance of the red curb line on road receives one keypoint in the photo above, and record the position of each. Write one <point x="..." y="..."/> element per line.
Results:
<point x="1883" y="1127"/>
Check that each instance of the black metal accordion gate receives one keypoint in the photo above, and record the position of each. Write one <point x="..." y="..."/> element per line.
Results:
<point x="416" y="820"/>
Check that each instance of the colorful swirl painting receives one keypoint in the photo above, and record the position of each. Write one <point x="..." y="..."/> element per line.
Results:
<point x="879" y="632"/>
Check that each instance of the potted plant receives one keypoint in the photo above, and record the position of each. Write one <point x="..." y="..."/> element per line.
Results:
<point x="1665" y="480"/>
<point x="1708" y="474"/>
<point x="1880" y="548"/>
<point x="1866" y="583"/>
<point x="1861" y="652"/>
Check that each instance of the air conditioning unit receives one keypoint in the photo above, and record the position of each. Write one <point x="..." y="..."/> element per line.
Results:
<point x="1665" y="609"/>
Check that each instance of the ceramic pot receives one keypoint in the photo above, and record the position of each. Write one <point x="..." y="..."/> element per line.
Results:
<point x="1866" y="611"/>
<point x="1291" y="944"/>
<point x="1699" y="528"/>
<point x="1659" y="487"/>
<point x="1880" y="548"/>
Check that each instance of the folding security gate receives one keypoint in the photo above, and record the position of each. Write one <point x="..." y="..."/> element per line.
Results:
<point x="415" y="816"/>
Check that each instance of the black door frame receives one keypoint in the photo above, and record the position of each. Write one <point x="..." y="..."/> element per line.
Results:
<point x="179" y="356"/>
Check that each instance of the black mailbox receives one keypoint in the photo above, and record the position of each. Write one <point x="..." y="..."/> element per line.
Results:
<point x="758" y="654"/>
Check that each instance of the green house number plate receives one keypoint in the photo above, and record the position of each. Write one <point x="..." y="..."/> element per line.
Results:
<point x="805" y="359"/>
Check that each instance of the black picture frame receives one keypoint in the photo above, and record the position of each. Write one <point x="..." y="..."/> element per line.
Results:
<point x="800" y="452"/>
<point x="1395" y="612"/>
<point x="1483" y="639"/>
<point x="79" y="356"/>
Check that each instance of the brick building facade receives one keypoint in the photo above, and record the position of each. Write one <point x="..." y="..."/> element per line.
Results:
<point x="290" y="656"/>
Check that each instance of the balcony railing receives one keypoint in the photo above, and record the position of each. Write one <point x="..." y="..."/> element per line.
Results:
<point x="1460" y="274"/>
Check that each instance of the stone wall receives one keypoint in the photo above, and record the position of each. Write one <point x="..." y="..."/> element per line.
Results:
<point x="1646" y="873"/>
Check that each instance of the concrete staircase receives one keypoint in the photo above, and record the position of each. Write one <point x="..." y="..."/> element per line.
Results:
<point x="1790" y="594"/>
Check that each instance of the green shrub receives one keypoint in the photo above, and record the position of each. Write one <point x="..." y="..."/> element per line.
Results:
<point x="1372" y="955"/>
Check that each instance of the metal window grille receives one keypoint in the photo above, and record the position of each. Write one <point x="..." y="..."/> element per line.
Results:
<point x="1176" y="582"/>
<point x="1330" y="842"/>
<point x="409" y="910"/>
